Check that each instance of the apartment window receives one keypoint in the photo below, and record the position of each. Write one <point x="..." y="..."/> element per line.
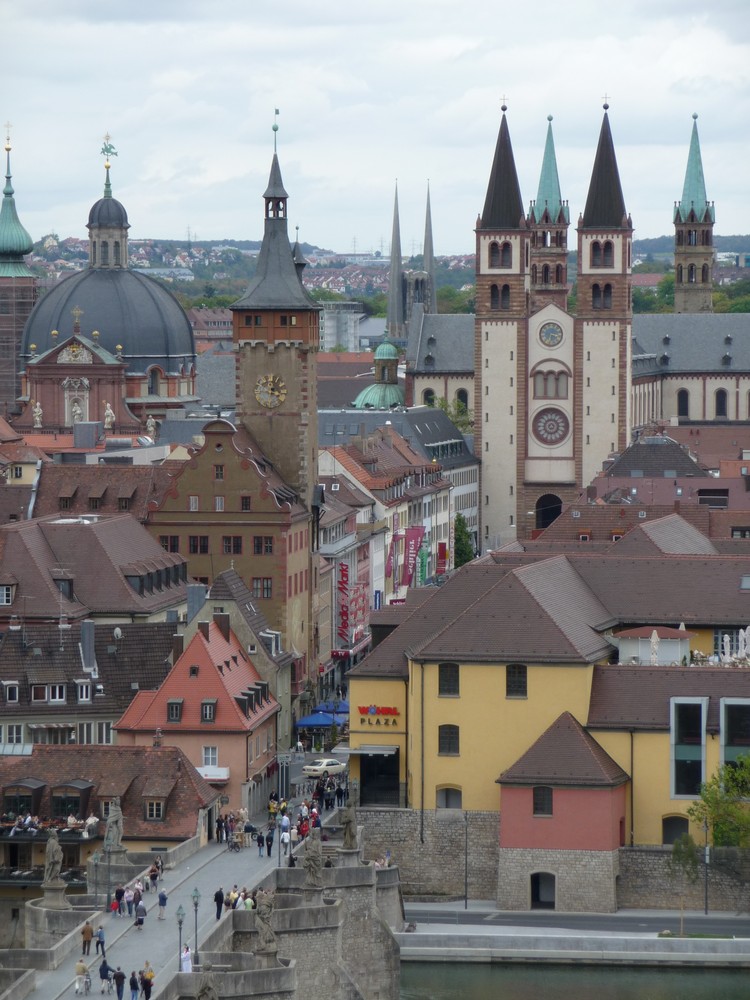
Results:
<point x="123" y="503"/>
<point x="57" y="693"/>
<point x="15" y="732"/>
<point x="38" y="692"/>
<point x="219" y="472"/>
<point x="154" y="809"/>
<point x="448" y="740"/>
<point x="174" y="710"/>
<point x="83" y="690"/>
<point x="515" y="680"/>
<point x="93" y="503"/>
<point x="245" y="504"/>
<point x="198" y="545"/>
<point x="64" y="503"/>
<point x="171" y="543"/>
<point x="210" y="756"/>
<point x="735" y="728"/>
<point x="232" y="545"/>
<point x="448" y="680"/>
<point x="542" y="800"/>
<point x="85" y="733"/>
<point x="263" y="545"/>
<point x="219" y="504"/>
<point x="104" y="733"/>
<point x="193" y="503"/>
<point x="262" y="587"/>
<point x="208" y="710"/>
<point x="6" y="594"/>
<point x="688" y="738"/>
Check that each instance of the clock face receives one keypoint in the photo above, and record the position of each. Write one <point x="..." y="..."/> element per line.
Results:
<point x="551" y="334"/>
<point x="550" y="426"/>
<point x="270" y="390"/>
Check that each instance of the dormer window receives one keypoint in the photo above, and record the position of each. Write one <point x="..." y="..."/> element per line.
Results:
<point x="174" y="710"/>
<point x="11" y="692"/>
<point x="6" y="594"/>
<point x="208" y="710"/>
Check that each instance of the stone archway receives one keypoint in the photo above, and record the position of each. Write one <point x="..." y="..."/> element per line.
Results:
<point x="547" y="509"/>
<point x="542" y="891"/>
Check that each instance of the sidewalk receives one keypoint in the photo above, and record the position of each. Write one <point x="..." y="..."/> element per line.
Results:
<point x="210" y="867"/>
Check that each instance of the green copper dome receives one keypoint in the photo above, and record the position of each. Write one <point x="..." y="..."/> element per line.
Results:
<point x="379" y="397"/>
<point x="15" y="242"/>
<point x="386" y="352"/>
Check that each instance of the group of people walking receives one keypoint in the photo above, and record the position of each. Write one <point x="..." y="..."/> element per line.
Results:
<point x="110" y="977"/>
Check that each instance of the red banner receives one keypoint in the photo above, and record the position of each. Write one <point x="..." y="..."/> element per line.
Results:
<point x="414" y="538"/>
<point x="389" y="560"/>
<point x="342" y="630"/>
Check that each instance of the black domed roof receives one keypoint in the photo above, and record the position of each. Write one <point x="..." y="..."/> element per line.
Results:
<point x="108" y="212"/>
<point x="127" y="308"/>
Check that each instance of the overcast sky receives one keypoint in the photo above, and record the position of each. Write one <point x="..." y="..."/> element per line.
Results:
<point x="369" y="92"/>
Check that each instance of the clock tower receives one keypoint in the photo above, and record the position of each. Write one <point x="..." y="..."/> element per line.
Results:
<point x="276" y="340"/>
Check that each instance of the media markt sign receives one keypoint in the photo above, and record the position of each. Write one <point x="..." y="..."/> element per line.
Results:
<point x="378" y="715"/>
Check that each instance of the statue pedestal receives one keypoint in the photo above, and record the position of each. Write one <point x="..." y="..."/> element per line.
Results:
<point x="54" y="895"/>
<point x="348" y="858"/>
<point x="266" y="959"/>
<point x="313" y="895"/>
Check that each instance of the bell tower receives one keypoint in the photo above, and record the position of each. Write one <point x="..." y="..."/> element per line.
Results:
<point x="693" y="238"/>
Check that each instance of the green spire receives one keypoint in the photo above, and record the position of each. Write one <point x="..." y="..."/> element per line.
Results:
<point x="694" y="188"/>
<point x="107" y="151"/>
<point x="15" y="242"/>
<point x="548" y="195"/>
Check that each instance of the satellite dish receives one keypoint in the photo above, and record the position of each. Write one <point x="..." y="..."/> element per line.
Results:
<point x="117" y="634"/>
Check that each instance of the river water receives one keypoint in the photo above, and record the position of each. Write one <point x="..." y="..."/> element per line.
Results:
<point x="448" y="981"/>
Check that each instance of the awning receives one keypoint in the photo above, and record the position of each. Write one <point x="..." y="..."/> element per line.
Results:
<point x="371" y="750"/>
<point x="321" y="720"/>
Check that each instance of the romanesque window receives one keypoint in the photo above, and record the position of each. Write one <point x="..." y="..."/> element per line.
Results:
<point x="545" y="274"/>
<point x="691" y="274"/>
<point x="559" y="279"/>
<point x="506" y="255"/>
<point x="596" y="254"/>
<point x="505" y="297"/>
<point x="550" y="385"/>
<point x="494" y="297"/>
<point x="720" y="403"/>
<point x="608" y="254"/>
<point x="683" y="403"/>
<point x="494" y="254"/>
<point x="692" y="238"/>
<point x="607" y="297"/>
<point x="118" y="259"/>
<point x="428" y="397"/>
<point x="679" y="274"/>
<point x="596" y="297"/>
<point x="448" y="742"/>
<point x="705" y="276"/>
<point x="105" y="253"/>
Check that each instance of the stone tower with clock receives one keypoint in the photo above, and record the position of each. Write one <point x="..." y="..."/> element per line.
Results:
<point x="276" y="341"/>
<point x="551" y="388"/>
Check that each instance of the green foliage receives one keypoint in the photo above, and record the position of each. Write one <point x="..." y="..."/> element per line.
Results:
<point x="652" y="266"/>
<point x="454" y="300"/>
<point x="374" y="305"/>
<point x="683" y="862"/>
<point x="326" y="295"/>
<point x="458" y="413"/>
<point x="723" y="807"/>
<point x="463" y="546"/>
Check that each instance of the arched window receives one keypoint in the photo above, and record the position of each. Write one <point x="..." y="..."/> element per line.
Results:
<point x="550" y="385"/>
<point x="691" y="274"/>
<point x="559" y="279"/>
<point x="448" y="742"/>
<point x="505" y="297"/>
<point x="93" y="254"/>
<point x="683" y="403"/>
<point x="534" y="274"/>
<point x="692" y="238"/>
<point x="462" y="397"/>
<point x="721" y="403"/>
<point x="448" y="798"/>
<point x="506" y="255"/>
<point x="672" y="828"/>
<point x="540" y="385"/>
<point x="679" y="274"/>
<point x="448" y="685"/>
<point x="596" y="254"/>
<point x="428" y="397"/>
<point x="105" y="253"/>
<point x="562" y="385"/>
<point x="494" y="254"/>
<point x="680" y="239"/>
<point x="596" y="297"/>
<point x="706" y="237"/>
<point x="154" y="382"/>
<point x="609" y="254"/>
<point x="494" y="297"/>
<point x="705" y="276"/>
<point x="545" y="274"/>
<point x="118" y="260"/>
<point x="607" y="298"/>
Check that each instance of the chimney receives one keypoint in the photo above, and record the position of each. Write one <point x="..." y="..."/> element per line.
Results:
<point x="88" y="654"/>
<point x="677" y="506"/>
<point x="222" y="622"/>
<point x="203" y="629"/>
<point x="178" y="647"/>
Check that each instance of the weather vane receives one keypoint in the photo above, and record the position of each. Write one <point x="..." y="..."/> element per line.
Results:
<point x="275" y="127"/>
<point x="108" y="149"/>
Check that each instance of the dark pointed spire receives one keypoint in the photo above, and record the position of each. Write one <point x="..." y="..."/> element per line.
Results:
<point x="605" y="205"/>
<point x="395" y="313"/>
<point x="429" y="258"/>
<point x="15" y="242"/>
<point x="503" y="206"/>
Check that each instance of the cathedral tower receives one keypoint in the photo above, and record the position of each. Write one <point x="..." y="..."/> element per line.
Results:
<point x="549" y="219"/>
<point x="17" y="291"/>
<point x="693" y="237"/>
<point x="276" y="340"/>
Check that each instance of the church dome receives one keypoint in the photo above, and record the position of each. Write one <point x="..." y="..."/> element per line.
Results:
<point x="379" y="397"/>
<point x="386" y="352"/>
<point x="127" y="308"/>
<point x="109" y="213"/>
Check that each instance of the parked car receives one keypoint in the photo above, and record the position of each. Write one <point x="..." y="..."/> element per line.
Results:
<point x="322" y="767"/>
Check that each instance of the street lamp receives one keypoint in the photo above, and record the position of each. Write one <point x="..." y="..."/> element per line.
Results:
<point x="95" y="857"/>
<point x="705" y="866"/>
<point x="196" y="897"/>
<point x="180" y="917"/>
<point x="108" y="852"/>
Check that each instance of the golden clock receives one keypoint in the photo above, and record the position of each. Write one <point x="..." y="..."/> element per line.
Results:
<point x="270" y="390"/>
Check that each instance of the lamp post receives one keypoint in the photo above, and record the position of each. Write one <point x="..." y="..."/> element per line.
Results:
<point x="108" y="852"/>
<point x="95" y="857"/>
<point x="196" y="897"/>
<point x="705" y="866"/>
<point x="180" y="917"/>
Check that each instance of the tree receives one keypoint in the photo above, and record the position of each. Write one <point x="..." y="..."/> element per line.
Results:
<point x="683" y="865"/>
<point x="723" y="808"/>
<point x="458" y="413"/>
<point x="463" y="546"/>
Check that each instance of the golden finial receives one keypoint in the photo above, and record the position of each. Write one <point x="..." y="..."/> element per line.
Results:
<point x="108" y="149"/>
<point x="76" y="312"/>
<point x="7" y="128"/>
<point x="54" y="334"/>
<point x="95" y="334"/>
